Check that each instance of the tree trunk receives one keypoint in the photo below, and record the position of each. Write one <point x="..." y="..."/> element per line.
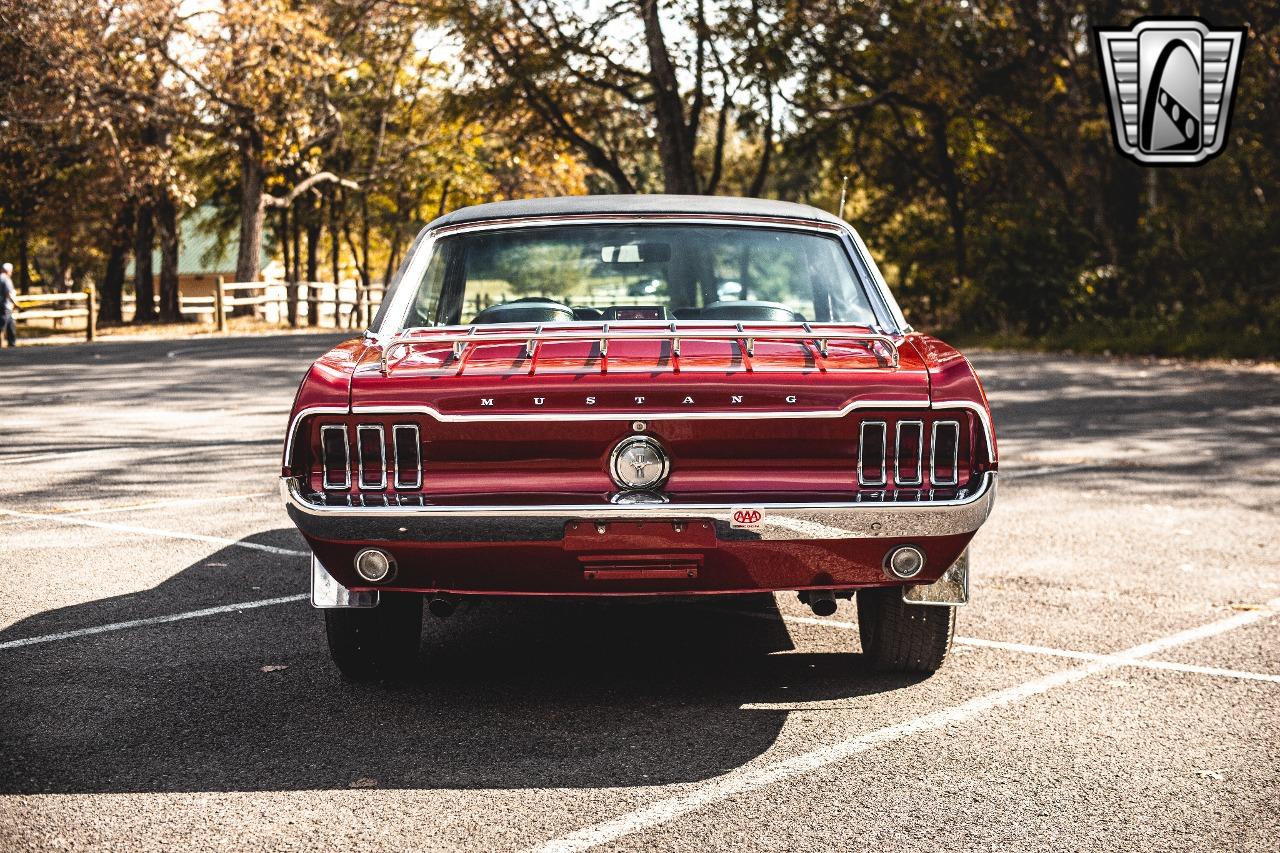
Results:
<point x="334" y="251"/>
<point x="24" y="256"/>
<point x="313" y="263"/>
<point x="252" y="177"/>
<point x="112" y="287"/>
<point x="391" y="260"/>
<point x="674" y="150"/>
<point x="362" y="300"/>
<point x="949" y="183"/>
<point x="143" y="276"/>
<point x="167" y="227"/>
<point x="290" y="284"/>
<point x="295" y="234"/>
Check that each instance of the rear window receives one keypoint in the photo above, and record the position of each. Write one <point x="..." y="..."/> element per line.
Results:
<point x="637" y="272"/>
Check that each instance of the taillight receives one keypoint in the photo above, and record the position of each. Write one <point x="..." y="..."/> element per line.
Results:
<point x="871" y="453"/>
<point x="944" y="453"/>
<point x="335" y="457"/>
<point x="373" y="456"/>
<point x="909" y="460"/>
<point x="408" y="456"/>
<point x="892" y="453"/>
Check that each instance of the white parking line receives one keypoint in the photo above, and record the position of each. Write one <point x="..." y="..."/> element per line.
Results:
<point x="1051" y="652"/>
<point x="744" y="781"/>
<point x="153" y="620"/>
<point x="174" y="502"/>
<point x="151" y="531"/>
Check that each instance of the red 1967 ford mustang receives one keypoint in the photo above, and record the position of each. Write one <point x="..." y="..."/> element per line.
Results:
<point x="639" y="396"/>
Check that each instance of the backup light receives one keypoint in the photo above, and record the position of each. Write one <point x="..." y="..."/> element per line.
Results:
<point x="904" y="562"/>
<point x="374" y="565"/>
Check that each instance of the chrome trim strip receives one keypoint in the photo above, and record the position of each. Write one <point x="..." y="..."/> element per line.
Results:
<point x="400" y="482"/>
<point x="297" y="420"/>
<point x="883" y="428"/>
<point x="381" y="484"/>
<point x="898" y="479"/>
<point x="325" y="467"/>
<point x="648" y="416"/>
<point x="955" y="455"/>
<point x="780" y="521"/>
<point x="983" y="418"/>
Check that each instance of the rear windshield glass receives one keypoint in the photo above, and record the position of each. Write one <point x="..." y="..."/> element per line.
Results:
<point x="637" y="272"/>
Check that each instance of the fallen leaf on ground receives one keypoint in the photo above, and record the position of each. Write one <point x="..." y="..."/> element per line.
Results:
<point x="1245" y="606"/>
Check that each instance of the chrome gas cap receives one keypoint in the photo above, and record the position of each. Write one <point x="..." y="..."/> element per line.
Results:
<point x="639" y="462"/>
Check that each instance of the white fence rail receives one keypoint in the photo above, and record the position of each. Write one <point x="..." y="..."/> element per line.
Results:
<point x="345" y="305"/>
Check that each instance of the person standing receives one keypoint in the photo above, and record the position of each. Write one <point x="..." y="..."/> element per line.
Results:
<point x="8" y="305"/>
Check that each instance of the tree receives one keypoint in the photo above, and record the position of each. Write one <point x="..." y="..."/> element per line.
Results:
<point x="606" y="80"/>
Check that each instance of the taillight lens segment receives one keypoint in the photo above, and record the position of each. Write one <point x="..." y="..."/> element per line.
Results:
<point x="911" y="453"/>
<point x="379" y="460"/>
<point x="373" y="456"/>
<point x="335" y="457"/>
<point x="408" y="456"/>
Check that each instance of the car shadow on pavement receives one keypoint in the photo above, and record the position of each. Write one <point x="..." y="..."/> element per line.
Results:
<point x="510" y="693"/>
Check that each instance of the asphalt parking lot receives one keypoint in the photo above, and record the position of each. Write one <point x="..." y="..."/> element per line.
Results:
<point x="163" y="684"/>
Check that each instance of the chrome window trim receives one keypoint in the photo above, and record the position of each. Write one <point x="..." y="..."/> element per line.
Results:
<point x="400" y="298"/>
<point x="883" y="426"/>
<point x="400" y="482"/>
<point x="898" y="479"/>
<point x="382" y="447"/>
<point x="324" y="458"/>
<point x="933" y="455"/>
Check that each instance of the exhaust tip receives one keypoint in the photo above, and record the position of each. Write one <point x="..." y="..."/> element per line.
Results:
<point x="440" y="606"/>
<point x="821" y="601"/>
<point x="375" y="565"/>
<point x="904" y="562"/>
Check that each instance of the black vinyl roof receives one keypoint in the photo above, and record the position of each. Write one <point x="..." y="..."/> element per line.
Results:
<point x="707" y="205"/>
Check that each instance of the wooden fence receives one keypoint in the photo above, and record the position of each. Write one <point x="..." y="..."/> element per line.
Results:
<point x="346" y="305"/>
<point x="55" y="308"/>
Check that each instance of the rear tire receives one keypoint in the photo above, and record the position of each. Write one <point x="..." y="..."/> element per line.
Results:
<point x="377" y="642"/>
<point x="903" y="637"/>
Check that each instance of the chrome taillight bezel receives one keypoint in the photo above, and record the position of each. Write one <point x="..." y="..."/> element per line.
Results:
<point x="400" y="481"/>
<point x="326" y="464"/>
<point x="898" y="479"/>
<point x="934" y="479"/>
<point x="883" y="428"/>
<point x="380" y="483"/>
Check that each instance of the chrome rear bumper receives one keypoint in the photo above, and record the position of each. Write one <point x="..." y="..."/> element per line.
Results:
<point x="777" y="521"/>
